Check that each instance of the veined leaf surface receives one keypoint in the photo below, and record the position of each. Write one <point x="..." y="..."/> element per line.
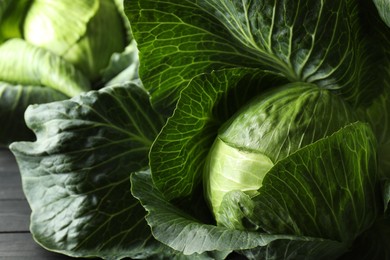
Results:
<point x="177" y="156"/>
<point x="76" y="176"/>
<point x="186" y="234"/>
<point x="318" y="42"/>
<point x="338" y="172"/>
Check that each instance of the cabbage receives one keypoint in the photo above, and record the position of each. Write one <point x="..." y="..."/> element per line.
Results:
<point x="65" y="46"/>
<point x="256" y="129"/>
<point x="259" y="135"/>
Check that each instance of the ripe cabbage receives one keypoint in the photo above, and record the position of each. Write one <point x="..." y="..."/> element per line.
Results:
<point x="256" y="129"/>
<point x="53" y="50"/>
<point x="268" y="129"/>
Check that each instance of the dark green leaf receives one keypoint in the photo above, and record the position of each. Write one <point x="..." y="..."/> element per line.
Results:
<point x="188" y="235"/>
<point x="178" y="154"/>
<point x="378" y="115"/>
<point x="76" y="176"/>
<point x="123" y="67"/>
<point x="377" y="112"/>
<point x="284" y="37"/>
<point x="177" y="46"/>
<point x="328" y="189"/>
<point x="316" y="42"/>
<point x="297" y="250"/>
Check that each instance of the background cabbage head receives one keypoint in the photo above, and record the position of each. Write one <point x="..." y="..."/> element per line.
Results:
<point x="53" y="50"/>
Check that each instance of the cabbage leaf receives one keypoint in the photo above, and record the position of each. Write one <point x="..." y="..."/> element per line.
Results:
<point x="287" y="204"/>
<point x="76" y="176"/>
<point x="119" y="172"/>
<point x="319" y="42"/>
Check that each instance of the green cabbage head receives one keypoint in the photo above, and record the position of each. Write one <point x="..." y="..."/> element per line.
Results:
<point x="85" y="33"/>
<point x="267" y="130"/>
<point x="53" y="50"/>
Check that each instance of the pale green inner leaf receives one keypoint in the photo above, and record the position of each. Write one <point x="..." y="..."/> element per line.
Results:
<point x="26" y="64"/>
<point x="229" y="168"/>
<point x="58" y="25"/>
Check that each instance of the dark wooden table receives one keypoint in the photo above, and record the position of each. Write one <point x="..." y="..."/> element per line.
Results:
<point x="16" y="241"/>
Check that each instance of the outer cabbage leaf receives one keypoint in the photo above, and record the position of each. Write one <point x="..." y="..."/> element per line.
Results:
<point x="14" y="99"/>
<point x="328" y="189"/>
<point x="123" y="67"/>
<point x="177" y="46"/>
<point x="279" y="122"/>
<point x="318" y="42"/>
<point x="283" y="36"/>
<point x="177" y="156"/>
<point x="76" y="175"/>
<point x="377" y="112"/>
<point x="182" y="232"/>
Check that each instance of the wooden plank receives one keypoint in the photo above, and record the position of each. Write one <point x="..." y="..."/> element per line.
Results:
<point x="14" y="216"/>
<point x="22" y="246"/>
<point x="14" y="209"/>
<point x="10" y="182"/>
<point x="7" y="161"/>
<point x="11" y="186"/>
